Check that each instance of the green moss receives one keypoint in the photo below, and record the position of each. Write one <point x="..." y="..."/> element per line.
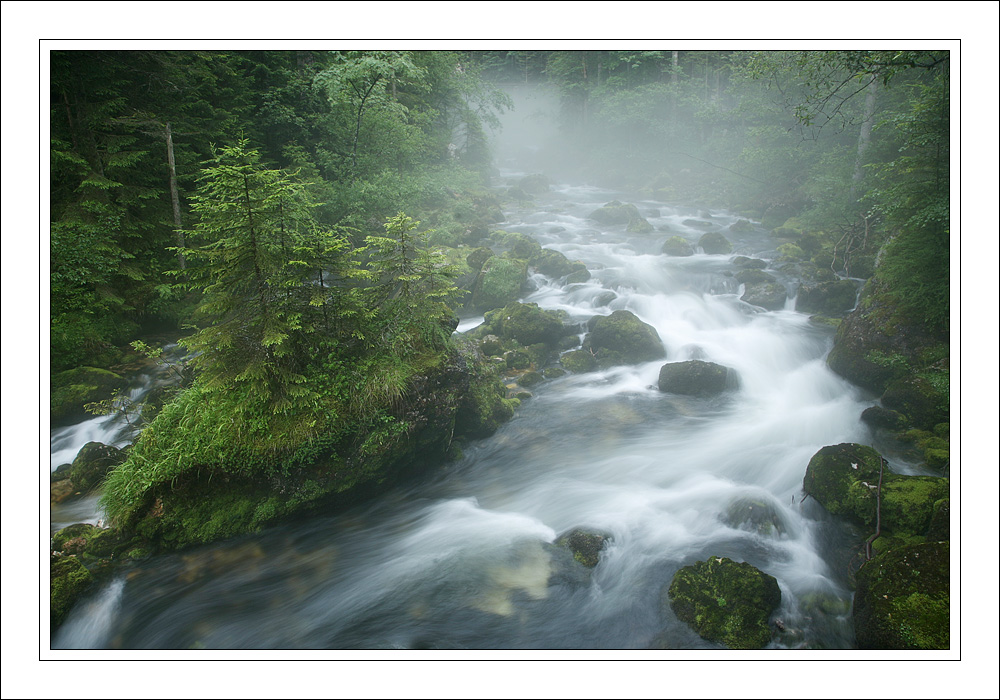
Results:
<point x="902" y="599"/>
<point x="579" y="361"/>
<point x="678" y="247"/>
<point x="623" y="339"/>
<point x="499" y="283"/>
<point x="834" y="469"/>
<point x="68" y="580"/>
<point x="73" y="389"/>
<point x="527" y="324"/>
<point x="725" y="601"/>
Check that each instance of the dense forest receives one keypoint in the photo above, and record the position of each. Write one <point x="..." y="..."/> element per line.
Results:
<point x="310" y="226"/>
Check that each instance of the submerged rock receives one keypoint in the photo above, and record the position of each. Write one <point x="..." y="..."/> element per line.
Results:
<point x="678" y="247"/>
<point x="696" y="378"/>
<point x="725" y="601"/>
<point x="586" y="545"/>
<point x="760" y="515"/>
<point x="902" y="600"/>
<point x="623" y="339"/>
<point x="714" y="243"/>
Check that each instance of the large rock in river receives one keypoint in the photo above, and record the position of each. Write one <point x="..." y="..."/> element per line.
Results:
<point x="725" y="601"/>
<point x="696" y="378"/>
<point x="92" y="464"/>
<point x="623" y="339"/>
<point x="678" y="247"/>
<point x="902" y="600"/>
<point x="714" y="243"/>
<point x="73" y="389"/>
<point x="528" y="324"/>
<point x="499" y="283"/>
<point x="616" y="212"/>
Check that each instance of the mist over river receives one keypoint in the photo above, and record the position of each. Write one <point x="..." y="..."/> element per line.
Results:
<point x="462" y="558"/>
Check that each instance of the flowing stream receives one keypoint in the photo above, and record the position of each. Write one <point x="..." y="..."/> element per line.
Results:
<point x="462" y="558"/>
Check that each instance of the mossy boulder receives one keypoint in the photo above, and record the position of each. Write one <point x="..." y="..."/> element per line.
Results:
<point x="69" y="579"/>
<point x="623" y="339"/>
<point x="745" y="263"/>
<point x="615" y="213"/>
<point x="535" y="183"/>
<point x="917" y="397"/>
<point x="579" y="361"/>
<point x="551" y="263"/>
<point x="499" y="283"/>
<point x="478" y="257"/>
<point x="844" y="479"/>
<point x="725" y="601"/>
<point x="767" y="295"/>
<point x="698" y="223"/>
<point x="902" y="599"/>
<point x="834" y="469"/>
<point x="530" y="379"/>
<point x="741" y="226"/>
<point x="754" y="275"/>
<point x="92" y="464"/>
<point x="696" y="378"/>
<point x="73" y="389"/>
<point x="714" y="243"/>
<point x="828" y="298"/>
<point x="527" y="324"/>
<point x="877" y="343"/>
<point x="760" y="515"/>
<point x="881" y="417"/>
<point x="586" y="545"/>
<point x="677" y="247"/>
<point x="515" y="244"/>
<point x="579" y="275"/>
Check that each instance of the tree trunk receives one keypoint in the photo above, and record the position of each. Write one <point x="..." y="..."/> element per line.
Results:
<point x="864" y="136"/>
<point x="175" y="200"/>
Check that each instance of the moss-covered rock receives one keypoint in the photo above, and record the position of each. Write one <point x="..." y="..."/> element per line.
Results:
<point x="535" y="183"/>
<point x="754" y="275"/>
<point x="760" y="515"/>
<point x="741" y="226"/>
<point x="73" y="389"/>
<point x="579" y="361"/>
<point x="714" y="243"/>
<point x="916" y="397"/>
<point x="678" y="247"/>
<point x="616" y="213"/>
<point x="586" y="545"/>
<point x="767" y="295"/>
<point x="834" y="469"/>
<point x="623" y="339"/>
<point x="902" y="600"/>
<point x="92" y="464"/>
<point x="530" y="379"/>
<point x="745" y="263"/>
<point x="552" y="263"/>
<point x="725" y="601"/>
<point x="696" y="378"/>
<point x="881" y="417"/>
<point x="500" y="282"/>
<point x="528" y="324"/>
<point x="515" y="244"/>
<point x="830" y="298"/>
<point x="478" y="257"/>
<point x="68" y="580"/>
<point x="578" y="276"/>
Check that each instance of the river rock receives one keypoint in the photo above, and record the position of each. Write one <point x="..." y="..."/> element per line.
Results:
<point x="73" y="389"/>
<point x="623" y="339"/>
<point x="552" y="263"/>
<point x="760" y="515"/>
<point x="515" y="244"/>
<point x="714" y="243"/>
<point x="92" y="464"/>
<point x="69" y="579"/>
<point x="767" y="295"/>
<point x="616" y="212"/>
<point x="534" y="184"/>
<point x="881" y="417"/>
<point x="725" y="601"/>
<point x="579" y="361"/>
<point x="828" y="298"/>
<point x="677" y="247"/>
<point x="586" y="545"/>
<point x="695" y="378"/>
<point x="916" y="397"/>
<point x="902" y="599"/>
<point x="527" y="324"/>
<point x="478" y="257"/>
<point x="499" y="283"/>
<point x="741" y="226"/>
<point x="745" y="263"/>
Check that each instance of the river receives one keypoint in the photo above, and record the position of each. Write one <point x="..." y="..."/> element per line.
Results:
<point x="461" y="559"/>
